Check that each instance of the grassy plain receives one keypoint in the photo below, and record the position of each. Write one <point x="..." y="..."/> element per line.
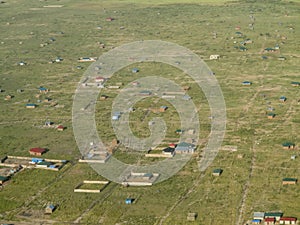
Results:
<point x="251" y="183"/>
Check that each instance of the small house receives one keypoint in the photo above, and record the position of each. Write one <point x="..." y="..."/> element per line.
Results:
<point x="99" y="79"/>
<point x="58" y="59"/>
<point x="270" y="50"/>
<point x="186" y="88"/>
<point x="116" y="116"/>
<point x="282" y="99"/>
<point x="168" y="151"/>
<point x="288" y="180"/>
<point x="184" y="147"/>
<point x="217" y="172"/>
<point x="288" y="145"/>
<point x="3" y="179"/>
<point x="30" y="105"/>
<point x="163" y="108"/>
<point x="47" y="100"/>
<point x="87" y="59"/>
<point x="48" y="123"/>
<point x="22" y="63"/>
<point x="50" y="209"/>
<point x="172" y="145"/>
<point x="269" y="221"/>
<point x="43" y="90"/>
<point x="135" y="70"/>
<point x="276" y="215"/>
<point x="145" y="92"/>
<point x="248" y="41"/>
<point x="60" y="128"/>
<point x="243" y="49"/>
<point x="259" y="215"/>
<point x="103" y="97"/>
<point x="239" y="34"/>
<point x="191" y="216"/>
<point x="129" y="201"/>
<point x="246" y="83"/>
<point x="271" y="115"/>
<point x="8" y="97"/>
<point x="295" y="84"/>
<point x="109" y="19"/>
<point x="281" y="58"/>
<point x="256" y="221"/>
<point x="287" y="220"/>
<point x="212" y="57"/>
<point x="179" y="131"/>
<point x="37" y="151"/>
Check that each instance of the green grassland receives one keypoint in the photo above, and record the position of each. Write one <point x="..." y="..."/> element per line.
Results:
<point x="249" y="183"/>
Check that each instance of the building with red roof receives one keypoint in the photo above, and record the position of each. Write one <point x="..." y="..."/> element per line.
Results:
<point x="288" y="220"/>
<point x="60" y="128"/>
<point x="270" y="221"/>
<point x="37" y="151"/>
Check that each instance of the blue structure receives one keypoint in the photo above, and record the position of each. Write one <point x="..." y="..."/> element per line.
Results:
<point x="116" y="116"/>
<point x="43" y="89"/>
<point x="246" y="83"/>
<point x="256" y="221"/>
<point x="135" y="70"/>
<point x="129" y="201"/>
<point x="37" y="160"/>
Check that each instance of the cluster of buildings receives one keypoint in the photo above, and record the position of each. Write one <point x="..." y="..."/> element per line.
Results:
<point x="270" y="218"/>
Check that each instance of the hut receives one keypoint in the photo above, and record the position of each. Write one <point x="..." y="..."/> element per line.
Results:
<point x="109" y="19"/>
<point x="191" y="216"/>
<point x="246" y="83"/>
<point x="271" y="115"/>
<point x="276" y="215"/>
<point x="135" y="70"/>
<point x="163" y="108"/>
<point x="30" y="105"/>
<point x="3" y="179"/>
<point x="288" y="220"/>
<point x="282" y="99"/>
<point x="288" y="145"/>
<point x="43" y="90"/>
<point x="60" y="128"/>
<point x="49" y="209"/>
<point x="37" y="151"/>
<point x="256" y="221"/>
<point x="103" y="97"/>
<point x="8" y="97"/>
<point x="289" y="180"/>
<point x="295" y="84"/>
<point x="217" y="172"/>
<point x="129" y="201"/>
<point x="269" y="221"/>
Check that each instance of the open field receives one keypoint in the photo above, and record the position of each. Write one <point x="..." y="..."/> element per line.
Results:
<point x="252" y="175"/>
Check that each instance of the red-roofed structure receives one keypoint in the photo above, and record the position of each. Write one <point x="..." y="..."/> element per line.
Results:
<point x="37" y="151"/>
<point x="172" y="145"/>
<point x="60" y="128"/>
<point x="287" y="220"/>
<point x="269" y="221"/>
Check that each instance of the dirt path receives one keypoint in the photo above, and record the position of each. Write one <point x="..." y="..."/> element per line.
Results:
<point x="183" y="197"/>
<point x="287" y="117"/>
